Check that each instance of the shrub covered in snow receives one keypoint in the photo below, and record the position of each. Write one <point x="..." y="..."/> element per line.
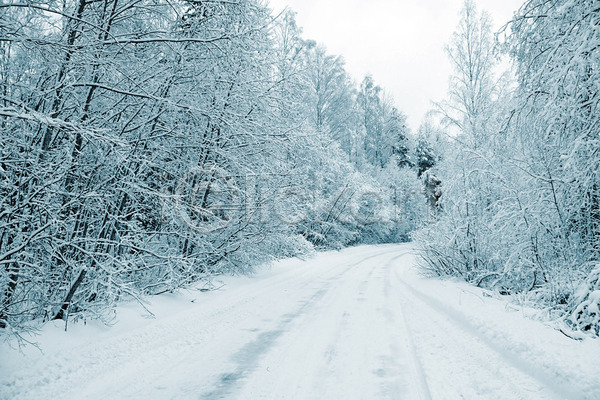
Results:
<point x="586" y="315"/>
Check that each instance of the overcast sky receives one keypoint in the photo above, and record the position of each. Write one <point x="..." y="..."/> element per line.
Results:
<point x="400" y="42"/>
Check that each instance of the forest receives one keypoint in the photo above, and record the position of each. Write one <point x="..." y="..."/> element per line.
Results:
<point x="147" y="145"/>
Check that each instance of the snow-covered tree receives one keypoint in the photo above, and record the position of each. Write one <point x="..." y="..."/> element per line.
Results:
<point x="520" y="185"/>
<point x="148" y="145"/>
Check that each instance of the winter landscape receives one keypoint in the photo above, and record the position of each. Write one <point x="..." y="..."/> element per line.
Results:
<point x="199" y="201"/>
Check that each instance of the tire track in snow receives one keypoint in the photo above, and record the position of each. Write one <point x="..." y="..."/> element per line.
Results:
<point x="417" y="367"/>
<point x="560" y="391"/>
<point x="318" y="356"/>
<point x="248" y="357"/>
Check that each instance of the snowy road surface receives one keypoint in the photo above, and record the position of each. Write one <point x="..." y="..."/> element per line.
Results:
<point x="355" y="324"/>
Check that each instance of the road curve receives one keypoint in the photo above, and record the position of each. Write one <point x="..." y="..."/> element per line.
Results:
<point x="343" y="325"/>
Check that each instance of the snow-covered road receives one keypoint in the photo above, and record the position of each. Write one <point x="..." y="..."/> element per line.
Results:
<point x="355" y="324"/>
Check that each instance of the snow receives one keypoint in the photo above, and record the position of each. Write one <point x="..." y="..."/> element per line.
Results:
<point x="355" y="324"/>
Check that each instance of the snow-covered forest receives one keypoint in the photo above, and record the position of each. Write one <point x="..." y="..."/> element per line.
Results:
<point x="520" y="205"/>
<point x="149" y="145"/>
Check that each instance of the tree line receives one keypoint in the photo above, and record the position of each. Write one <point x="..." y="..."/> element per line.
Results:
<point x="520" y="166"/>
<point x="143" y="144"/>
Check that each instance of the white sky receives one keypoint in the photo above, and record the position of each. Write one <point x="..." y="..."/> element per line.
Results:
<point x="400" y="42"/>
